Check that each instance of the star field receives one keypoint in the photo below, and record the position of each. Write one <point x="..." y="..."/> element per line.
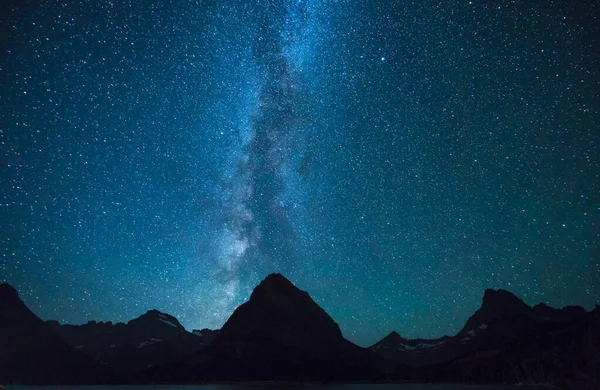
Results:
<point x="394" y="159"/>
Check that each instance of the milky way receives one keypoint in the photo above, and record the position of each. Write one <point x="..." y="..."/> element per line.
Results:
<point x="258" y="230"/>
<point x="393" y="159"/>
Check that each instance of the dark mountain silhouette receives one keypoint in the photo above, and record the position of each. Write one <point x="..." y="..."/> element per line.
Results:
<point x="281" y="334"/>
<point x="497" y="305"/>
<point x="501" y="318"/>
<point x="151" y="339"/>
<point x="31" y="353"/>
<point x="561" y="353"/>
<point x="412" y="352"/>
<point x="566" y="314"/>
<point x="507" y="341"/>
<point x="208" y="335"/>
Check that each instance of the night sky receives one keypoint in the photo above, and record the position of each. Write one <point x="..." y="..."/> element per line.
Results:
<point x="392" y="158"/>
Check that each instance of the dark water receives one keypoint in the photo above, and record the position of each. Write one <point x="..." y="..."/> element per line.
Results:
<point x="289" y="386"/>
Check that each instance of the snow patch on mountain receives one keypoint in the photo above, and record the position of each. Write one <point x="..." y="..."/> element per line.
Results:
<point x="148" y="342"/>
<point x="166" y="321"/>
<point x="431" y="345"/>
<point x="407" y="347"/>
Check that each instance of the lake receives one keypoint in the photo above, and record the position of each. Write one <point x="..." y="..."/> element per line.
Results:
<point x="290" y="386"/>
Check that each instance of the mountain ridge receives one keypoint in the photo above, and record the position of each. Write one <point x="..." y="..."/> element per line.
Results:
<point x="151" y="339"/>
<point x="281" y="333"/>
<point x="31" y="353"/>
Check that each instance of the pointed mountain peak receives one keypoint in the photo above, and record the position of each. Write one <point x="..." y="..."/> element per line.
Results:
<point x="155" y="316"/>
<point x="500" y="295"/>
<point x="543" y="309"/>
<point x="281" y="333"/>
<point x="394" y="336"/>
<point x="154" y="313"/>
<point x="277" y="291"/>
<point x="393" y="339"/>
<point x="274" y="283"/>
<point x="497" y="304"/>
<point x="276" y="278"/>
<point x="502" y="298"/>
<point x="542" y="306"/>
<point x="277" y="304"/>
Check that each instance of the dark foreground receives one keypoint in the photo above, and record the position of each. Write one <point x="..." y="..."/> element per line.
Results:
<point x="282" y="335"/>
<point x="282" y="386"/>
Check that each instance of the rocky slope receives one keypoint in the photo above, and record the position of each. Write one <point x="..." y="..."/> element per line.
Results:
<point x="31" y="353"/>
<point x="152" y="339"/>
<point x="507" y="341"/>
<point x="279" y="334"/>
<point x="282" y="334"/>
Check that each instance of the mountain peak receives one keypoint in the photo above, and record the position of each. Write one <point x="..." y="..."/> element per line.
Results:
<point x="281" y="333"/>
<point x="276" y="276"/>
<point x="501" y="297"/>
<point x="274" y="282"/>
<point x="392" y="339"/>
<point x="503" y="302"/>
<point x="276" y="291"/>
<point x="157" y="318"/>
<point x="32" y="353"/>
<point x="497" y="304"/>
<point x="276" y="297"/>
<point x="394" y="336"/>
<point x="155" y="314"/>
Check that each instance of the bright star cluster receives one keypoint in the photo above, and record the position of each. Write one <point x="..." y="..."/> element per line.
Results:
<point x="392" y="158"/>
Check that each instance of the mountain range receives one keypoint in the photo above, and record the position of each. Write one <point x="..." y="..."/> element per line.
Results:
<point x="281" y="334"/>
